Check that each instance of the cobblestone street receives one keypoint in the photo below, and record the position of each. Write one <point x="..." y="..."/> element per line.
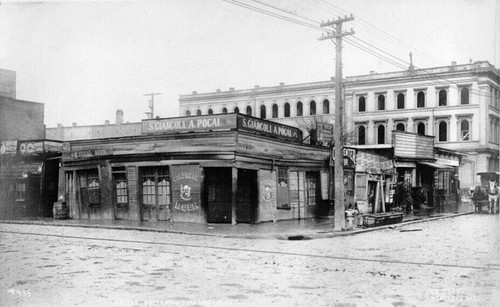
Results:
<point x="448" y="262"/>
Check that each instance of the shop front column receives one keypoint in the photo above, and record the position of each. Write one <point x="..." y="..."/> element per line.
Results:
<point x="234" y="187"/>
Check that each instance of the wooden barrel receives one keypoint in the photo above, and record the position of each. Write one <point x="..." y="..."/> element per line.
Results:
<point x="60" y="210"/>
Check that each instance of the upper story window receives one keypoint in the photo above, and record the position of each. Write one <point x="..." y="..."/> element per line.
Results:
<point x="464" y="95"/>
<point x="188" y="113"/>
<point x="361" y="135"/>
<point x="443" y="131"/>
<point x="401" y="101"/>
<point x="421" y="128"/>
<point x="210" y="111"/>
<point x="249" y="111"/>
<point x="381" y="102"/>
<point x="262" y="111"/>
<point x="287" y="109"/>
<point x="224" y="110"/>
<point x="421" y="99"/>
<point x="275" y="111"/>
<point x="299" y="109"/>
<point x="400" y="127"/>
<point x="326" y="106"/>
<point x="464" y="130"/>
<point x="312" y="108"/>
<point x="381" y="134"/>
<point x="443" y="98"/>
<point x="361" y="104"/>
<point x="236" y="110"/>
<point x="198" y="112"/>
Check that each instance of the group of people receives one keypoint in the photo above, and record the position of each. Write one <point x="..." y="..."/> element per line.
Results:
<point x="481" y="195"/>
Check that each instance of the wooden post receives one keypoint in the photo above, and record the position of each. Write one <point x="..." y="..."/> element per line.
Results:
<point x="234" y="186"/>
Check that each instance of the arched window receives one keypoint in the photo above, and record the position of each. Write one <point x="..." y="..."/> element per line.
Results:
<point x="249" y="110"/>
<point x="198" y="112"/>
<point x="224" y="110"/>
<point x="381" y="134"/>
<point x="287" y="109"/>
<point x="401" y="101"/>
<point x="464" y="130"/>
<point x="210" y="112"/>
<point x="400" y="127"/>
<point x="381" y="102"/>
<point x="361" y="104"/>
<point x="188" y="113"/>
<point x="262" y="111"/>
<point x="299" y="109"/>
<point x="361" y="135"/>
<point x="443" y="98"/>
<point x="464" y="96"/>
<point x="326" y="106"/>
<point x="421" y="100"/>
<point x="275" y="111"/>
<point x="443" y="131"/>
<point x="421" y="128"/>
<point x="312" y="107"/>
<point x="236" y="110"/>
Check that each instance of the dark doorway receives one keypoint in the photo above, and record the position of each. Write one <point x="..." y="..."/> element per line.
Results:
<point x="246" y="196"/>
<point x="50" y="186"/>
<point x="218" y="194"/>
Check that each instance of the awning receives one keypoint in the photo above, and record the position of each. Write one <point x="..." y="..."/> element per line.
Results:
<point x="436" y="165"/>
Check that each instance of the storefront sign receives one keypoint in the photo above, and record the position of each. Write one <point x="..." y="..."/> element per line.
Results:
<point x="187" y="124"/>
<point x="88" y="153"/>
<point x="268" y="128"/>
<point x="411" y="145"/>
<point x="52" y="146"/>
<point x="324" y="132"/>
<point x="8" y="147"/>
<point x="371" y="162"/>
<point x="447" y="162"/>
<point x="349" y="157"/>
<point x="30" y="148"/>
<point x="186" y="186"/>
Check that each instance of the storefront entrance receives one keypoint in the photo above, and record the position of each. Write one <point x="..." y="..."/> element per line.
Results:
<point x="155" y="193"/>
<point x="246" y="196"/>
<point x="218" y="194"/>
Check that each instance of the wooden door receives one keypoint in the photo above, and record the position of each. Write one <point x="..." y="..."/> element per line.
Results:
<point x="156" y="193"/>
<point x="218" y="183"/>
<point x="246" y="196"/>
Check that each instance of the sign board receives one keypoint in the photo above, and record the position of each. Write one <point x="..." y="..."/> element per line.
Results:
<point x="186" y="188"/>
<point x="324" y="132"/>
<point x="8" y="147"/>
<point x="268" y="128"/>
<point x="349" y="157"/>
<point x="368" y="161"/>
<point x="30" y="148"/>
<point x="412" y="145"/>
<point x="89" y="153"/>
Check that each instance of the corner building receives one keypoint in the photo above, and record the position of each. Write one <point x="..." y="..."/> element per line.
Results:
<point x="457" y="104"/>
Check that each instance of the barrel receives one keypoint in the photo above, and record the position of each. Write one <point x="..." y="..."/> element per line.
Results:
<point x="60" y="210"/>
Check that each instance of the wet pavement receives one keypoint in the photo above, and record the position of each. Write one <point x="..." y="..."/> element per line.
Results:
<point x="286" y="230"/>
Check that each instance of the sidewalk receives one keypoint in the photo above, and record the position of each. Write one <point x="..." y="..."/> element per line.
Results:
<point x="285" y="230"/>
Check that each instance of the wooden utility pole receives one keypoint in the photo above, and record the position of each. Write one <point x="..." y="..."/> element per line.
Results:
<point x="335" y="32"/>
<point x="151" y="115"/>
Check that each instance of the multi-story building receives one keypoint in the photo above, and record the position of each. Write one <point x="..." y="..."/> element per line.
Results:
<point x="8" y="83"/>
<point x="457" y="104"/>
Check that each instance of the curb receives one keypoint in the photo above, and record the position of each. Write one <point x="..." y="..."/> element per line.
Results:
<point x="296" y="236"/>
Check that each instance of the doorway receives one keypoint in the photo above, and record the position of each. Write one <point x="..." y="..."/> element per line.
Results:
<point x="156" y="193"/>
<point x="246" y="196"/>
<point x="218" y="194"/>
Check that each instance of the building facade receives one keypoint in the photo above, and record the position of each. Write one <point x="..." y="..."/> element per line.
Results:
<point x="458" y="104"/>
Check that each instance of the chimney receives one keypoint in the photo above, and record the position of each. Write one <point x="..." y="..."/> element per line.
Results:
<point x="372" y="72"/>
<point x="119" y="116"/>
<point x="74" y="124"/>
<point x="282" y="83"/>
<point x="106" y="122"/>
<point x="231" y="89"/>
<point x="195" y="92"/>
<point x="453" y="63"/>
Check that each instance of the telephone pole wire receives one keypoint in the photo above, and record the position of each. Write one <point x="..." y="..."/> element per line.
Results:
<point x="335" y="32"/>
<point x="151" y="115"/>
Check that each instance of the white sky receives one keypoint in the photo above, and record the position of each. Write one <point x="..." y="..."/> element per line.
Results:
<point x="84" y="60"/>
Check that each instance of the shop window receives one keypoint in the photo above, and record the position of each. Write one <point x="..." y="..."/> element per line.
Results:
<point x="90" y="189"/>
<point x="326" y="106"/>
<point x="421" y="128"/>
<point x="299" y="109"/>
<point x="287" y="109"/>
<point x="210" y="112"/>
<point x="464" y="130"/>
<point x="198" y="112"/>
<point x="188" y="113"/>
<point x="20" y="191"/>
<point x="121" y="186"/>
<point x="381" y="102"/>
<point x="361" y="135"/>
<point x="312" y="186"/>
<point x="312" y="108"/>
<point x="401" y="101"/>
<point x="464" y="96"/>
<point x="361" y="104"/>
<point x="400" y="127"/>
<point x="249" y="111"/>
<point x="236" y="110"/>
<point x="381" y="134"/>
<point x="224" y="110"/>
<point x="443" y="98"/>
<point x="275" y="111"/>
<point x="443" y="131"/>
<point x="442" y="182"/>
<point x="263" y="111"/>
<point x="156" y="187"/>
<point x="421" y="100"/>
